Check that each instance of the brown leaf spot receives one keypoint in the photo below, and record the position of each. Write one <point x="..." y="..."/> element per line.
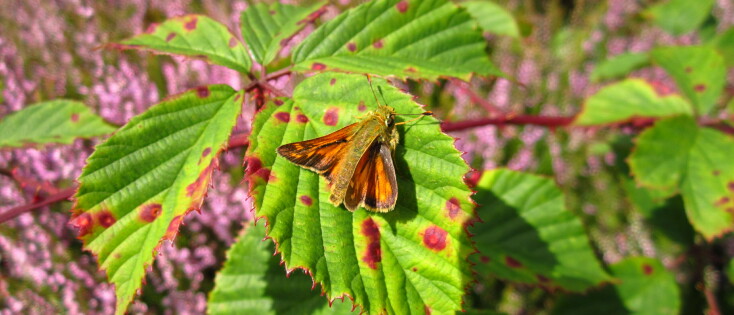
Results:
<point x="688" y="69"/>
<point x="301" y="118"/>
<point x="232" y="42"/>
<point x="83" y="222"/>
<point x="306" y="200"/>
<point x="198" y="188"/>
<point x="283" y="116"/>
<point x="172" y="229"/>
<point x="434" y="238"/>
<point x="318" y="66"/>
<point x="512" y="262"/>
<point x="74" y="117"/>
<point x="255" y="168"/>
<point x="415" y="269"/>
<point x="170" y="36"/>
<point x="190" y="25"/>
<point x="206" y="152"/>
<point x="427" y="309"/>
<point x="542" y="278"/>
<point x="716" y="172"/>
<point x="453" y="207"/>
<point x="278" y="102"/>
<point x="361" y="107"/>
<point x="378" y="44"/>
<point x="484" y="259"/>
<point x="373" y="254"/>
<point x="730" y="186"/>
<point x="352" y="47"/>
<point x="700" y="88"/>
<point x="272" y="12"/>
<point x="647" y="269"/>
<point x="331" y="117"/>
<point x="202" y="92"/>
<point x="105" y="218"/>
<point x="402" y="6"/>
<point x="724" y="200"/>
<point x="332" y="81"/>
<point x="410" y="70"/>
<point x="150" y="212"/>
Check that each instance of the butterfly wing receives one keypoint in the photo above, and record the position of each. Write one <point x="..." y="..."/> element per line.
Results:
<point x="323" y="155"/>
<point x="373" y="185"/>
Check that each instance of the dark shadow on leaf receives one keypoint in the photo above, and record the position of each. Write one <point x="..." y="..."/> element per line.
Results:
<point x="603" y="301"/>
<point x="406" y="208"/>
<point x="290" y="295"/>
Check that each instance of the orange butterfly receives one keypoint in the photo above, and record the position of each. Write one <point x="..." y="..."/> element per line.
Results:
<point x="356" y="161"/>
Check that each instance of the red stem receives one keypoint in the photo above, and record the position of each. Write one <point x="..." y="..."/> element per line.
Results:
<point x="59" y="196"/>
<point x="551" y="122"/>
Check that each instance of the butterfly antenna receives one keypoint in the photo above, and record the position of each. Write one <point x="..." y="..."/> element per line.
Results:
<point x="369" y="80"/>
<point x="426" y="113"/>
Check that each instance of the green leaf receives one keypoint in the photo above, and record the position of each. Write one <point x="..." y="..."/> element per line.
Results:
<point x="632" y="98"/>
<point x="196" y="36"/>
<point x="676" y="153"/>
<point x="403" y="261"/>
<point x="528" y="236"/>
<point x="699" y="72"/>
<point x="407" y="39"/>
<point x="138" y="185"/>
<point x="679" y="17"/>
<point x="724" y="43"/>
<point x="492" y="17"/>
<point x="644" y="287"/>
<point x="57" y="121"/>
<point x="619" y="66"/>
<point x="265" y="27"/>
<point x="253" y="282"/>
<point x="730" y="271"/>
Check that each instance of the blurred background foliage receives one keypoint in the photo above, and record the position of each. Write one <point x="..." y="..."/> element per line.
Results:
<point x="51" y="49"/>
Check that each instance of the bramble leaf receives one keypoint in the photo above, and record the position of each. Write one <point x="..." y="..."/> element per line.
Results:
<point x="527" y="235"/>
<point x="644" y="287"/>
<point x="406" y="39"/>
<point x="138" y="185"/>
<point x="699" y="72"/>
<point x="253" y="282"/>
<point x="492" y="17"/>
<point x="678" y="154"/>
<point x="265" y="27"/>
<point x="632" y="98"/>
<point x="679" y="17"/>
<point x="195" y="36"/>
<point x="724" y="43"/>
<point x="57" y="121"/>
<point x="619" y="66"/>
<point x="404" y="261"/>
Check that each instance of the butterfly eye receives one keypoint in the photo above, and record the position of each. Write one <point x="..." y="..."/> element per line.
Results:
<point x="390" y="120"/>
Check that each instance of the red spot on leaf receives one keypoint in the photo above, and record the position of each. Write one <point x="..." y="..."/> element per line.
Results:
<point x="410" y="70"/>
<point x="278" y="102"/>
<point x="378" y="44"/>
<point x="512" y="263"/>
<point x="306" y="200"/>
<point x="255" y="168"/>
<point x="232" y="42"/>
<point x="172" y="229"/>
<point x="352" y="47"/>
<point x="105" y="218"/>
<point x="198" y="188"/>
<point x="688" y="69"/>
<point x="301" y="118"/>
<point x="700" y="88"/>
<point x="283" y="116"/>
<point x="150" y="212"/>
<point x="542" y="278"/>
<point x="484" y="259"/>
<point x="361" y="107"/>
<point x="206" y="152"/>
<point x="191" y="24"/>
<point x="272" y="12"/>
<point x="318" y="66"/>
<point x="472" y="178"/>
<point x="202" y="92"/>
<point x="415" y="269"/>
<point x="453" y="207"/>
<point x="170" y="36"/>
<point x="647" y="269"/>
<point x="373" y="254"/>
<point x="730" y="186"/>
<point x="83" y="222"/>
<point x="434" y="238"/>
<point x="427" y="309"/>
<point x="722" y="201"/>
<point x="716" y="172"/>
<point x="332" y="81"/>
<point x="331" y="117"/>
<point x="74" y="117"/>
<point x="402" y="6"/>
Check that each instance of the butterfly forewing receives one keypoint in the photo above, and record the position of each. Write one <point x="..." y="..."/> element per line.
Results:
<point x="321" y="155"/>
<point x="373" y="185"/>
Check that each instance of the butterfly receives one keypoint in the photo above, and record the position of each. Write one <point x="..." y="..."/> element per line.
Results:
<point x="356" y="161"/>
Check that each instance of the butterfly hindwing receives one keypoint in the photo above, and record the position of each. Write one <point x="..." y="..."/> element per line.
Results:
<point x="373" y="185"/>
